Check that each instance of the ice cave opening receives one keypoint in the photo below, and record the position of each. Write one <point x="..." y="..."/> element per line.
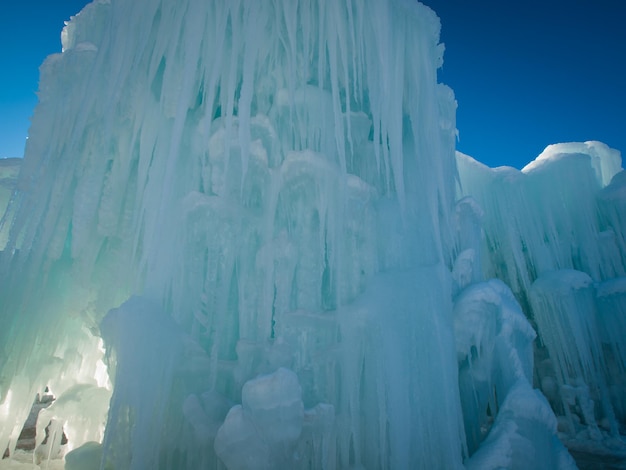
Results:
<point x="241" y="238"/>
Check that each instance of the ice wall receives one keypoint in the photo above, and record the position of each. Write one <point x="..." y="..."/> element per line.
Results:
<point x="555" y="233"/>
<point x="546" y="217"/>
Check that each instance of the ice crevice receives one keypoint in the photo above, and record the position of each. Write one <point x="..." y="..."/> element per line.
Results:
<point x="249" y="243"/>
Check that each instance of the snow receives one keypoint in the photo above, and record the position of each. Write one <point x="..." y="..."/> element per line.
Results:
<point x="606" y="162"/>
<point x="249" y="243"/>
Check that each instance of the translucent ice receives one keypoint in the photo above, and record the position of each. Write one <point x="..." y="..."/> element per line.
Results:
<point x="494" y="349"/>
<point x="86" y="457"/>
<point x="547" y="216"/>
<point x="9" y="170"/>
<point x="555" y="233"/>
<point x="240" y="445"/>
<point x="275" y="403"/>
<point x="269" y="420"/>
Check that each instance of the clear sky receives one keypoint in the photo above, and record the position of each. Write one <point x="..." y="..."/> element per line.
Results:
<point x="534" y="72"/>
<point x="525" y="73"/>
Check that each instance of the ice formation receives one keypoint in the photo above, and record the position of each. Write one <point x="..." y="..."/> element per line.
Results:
<point x="554" y="233"/>
<point x="249" y="243"/>
<point x="9" y="170"/>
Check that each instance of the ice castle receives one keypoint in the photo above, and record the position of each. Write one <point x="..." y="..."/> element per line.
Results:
<point x="242" y="239"/>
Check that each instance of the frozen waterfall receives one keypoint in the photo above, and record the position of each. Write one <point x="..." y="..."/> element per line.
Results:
<point x="241" y="238"/>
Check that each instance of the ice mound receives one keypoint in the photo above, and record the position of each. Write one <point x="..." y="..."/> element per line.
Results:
<point x="523" y="435"/>
<point x="605" y="161"/>
<point x="263" y="430"/>
<point x="504" y="417"/>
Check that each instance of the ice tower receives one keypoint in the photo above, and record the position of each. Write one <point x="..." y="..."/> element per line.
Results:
<point x="236" y="243"/>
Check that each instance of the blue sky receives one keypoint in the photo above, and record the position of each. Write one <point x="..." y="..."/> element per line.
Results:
<point x="526" y="74"/>
<point x="530" y="73"/>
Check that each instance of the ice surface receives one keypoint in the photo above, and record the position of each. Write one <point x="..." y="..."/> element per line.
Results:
<point x="612" y="207"/>
<point x="611" y="305"/>
<point x="86" y="457"/>
<point x="275" y="404"/>
<point x="418" y="415"/>
<point x="555" y="214"/>
<point x="494" y="349"/>
<point x="263" y="431"/>
<point x="554" y="233"/>
<point x="523" y="435"/>
<point x="239" y="444"/>
<point x="249" y="244"/>
<point x="564" y="308"/>
<point x="82" y="412"/>
<point x="9" y="171"/>
<point x="606" y="162"/>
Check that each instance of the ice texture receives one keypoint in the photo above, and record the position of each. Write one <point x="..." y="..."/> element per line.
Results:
<point x="546" y="217"/>
<point x="564" y="309"/>
<point x="241" y="238"/>
<point x="554" y="233"/>
<point x="263" y="430"/>
<point x="86" y="457"/>
<point x="9" y="171"/>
